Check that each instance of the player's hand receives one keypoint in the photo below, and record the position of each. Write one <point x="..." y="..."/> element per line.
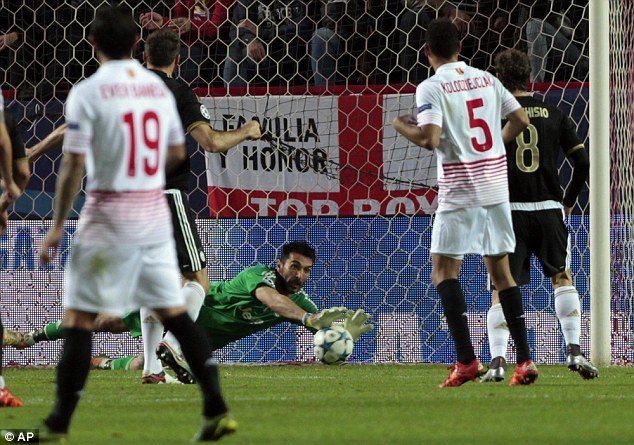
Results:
<point x="254" y="131"/>
<point x="50" y="245"/>
<point x="248" y="24"/>
<point x="151" y="20"/>
<point x="355" y="323"/>
<point x="256" y="50"/>
<point x="11" y="191"/>
<point x="325" y="318"/>
<point x="181" y="25"/>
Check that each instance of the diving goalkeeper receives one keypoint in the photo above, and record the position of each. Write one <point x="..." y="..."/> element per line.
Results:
<point x="257" y="298"/>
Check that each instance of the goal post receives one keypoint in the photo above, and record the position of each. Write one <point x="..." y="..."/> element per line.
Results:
<point x="600" y="291"/>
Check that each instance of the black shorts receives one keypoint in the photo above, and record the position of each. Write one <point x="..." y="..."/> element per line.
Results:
<point x="191" y="255"/>
<point x="544" y="234"/>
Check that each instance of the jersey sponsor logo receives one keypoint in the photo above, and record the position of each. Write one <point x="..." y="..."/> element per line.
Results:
<point x="73" y="125"/>
<point x="424" y="107"/>
<point x="204" y="112"/>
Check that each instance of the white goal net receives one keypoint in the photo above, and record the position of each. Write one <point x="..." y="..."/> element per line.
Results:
<point x="329" y="170"/>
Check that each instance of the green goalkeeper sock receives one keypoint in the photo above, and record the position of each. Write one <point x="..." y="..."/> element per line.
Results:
<point x="50" y="332"/>
<point x="122" y="363"/>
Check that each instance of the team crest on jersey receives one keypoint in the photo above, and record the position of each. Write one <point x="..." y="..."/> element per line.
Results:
<point x="459" y="71"/>
<point x="204" y="112"/>
<point x="424" y="107"/>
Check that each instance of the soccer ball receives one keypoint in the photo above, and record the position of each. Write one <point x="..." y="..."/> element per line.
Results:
<point x="333" y="345"/>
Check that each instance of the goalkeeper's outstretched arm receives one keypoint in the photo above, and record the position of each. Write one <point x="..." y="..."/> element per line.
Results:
<point x="285" y="307"/>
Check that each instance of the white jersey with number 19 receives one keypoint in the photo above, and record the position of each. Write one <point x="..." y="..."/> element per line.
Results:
<point x="123" y="118"/>
<point x="467" y="104"/>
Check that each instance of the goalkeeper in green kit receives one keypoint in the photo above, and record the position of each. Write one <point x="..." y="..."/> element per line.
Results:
<point x="257" y="298"/>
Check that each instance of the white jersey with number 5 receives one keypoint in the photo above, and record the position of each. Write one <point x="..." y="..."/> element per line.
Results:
<point x="123" y="118"/>
<point x="468" y="105"/>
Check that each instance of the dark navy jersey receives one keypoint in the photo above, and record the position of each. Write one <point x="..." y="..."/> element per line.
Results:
<point x="533" y="156"/>
<point x="192" y="113"/>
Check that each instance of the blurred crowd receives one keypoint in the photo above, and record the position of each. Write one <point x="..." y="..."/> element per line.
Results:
<point x="44" y="46"/>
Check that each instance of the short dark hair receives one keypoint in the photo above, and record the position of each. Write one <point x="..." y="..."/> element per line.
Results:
<point x="114" y="31"/>
<point x="513" y="69"/>
<point x="442" y="38"/>
<point x="301" y="247"/>
<point x="162" y="47"/>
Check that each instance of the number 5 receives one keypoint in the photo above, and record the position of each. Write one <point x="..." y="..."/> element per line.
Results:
<point x="475" y="122"/>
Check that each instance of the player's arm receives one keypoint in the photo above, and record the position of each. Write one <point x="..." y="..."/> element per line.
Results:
<point x="580" y="173"/>
<point x="51" y="142"/>
<point x="426" y="136"/>
<point x="221" y="141"/>
<point x="516" y="122"/>
<point x="287" y="308"/>
<point x="175" y="154"/>
<point x="11" y="189"/>
<point x="280" y="304"/>
<point x="69" y="178"/>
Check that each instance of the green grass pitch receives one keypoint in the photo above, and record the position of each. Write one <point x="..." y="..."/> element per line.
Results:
<point x="350" y="404"/>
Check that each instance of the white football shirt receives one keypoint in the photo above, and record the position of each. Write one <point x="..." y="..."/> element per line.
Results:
<point x="123" y="118"/>
<point x="468" y="105"/>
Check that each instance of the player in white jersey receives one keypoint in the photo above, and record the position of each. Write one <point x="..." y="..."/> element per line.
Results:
<point x="123" y="127"/>
<point x="10" y="193"/>
<point x="459" y="111"/>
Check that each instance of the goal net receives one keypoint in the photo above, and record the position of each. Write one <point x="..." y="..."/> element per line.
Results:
<point x="330" y="169"/>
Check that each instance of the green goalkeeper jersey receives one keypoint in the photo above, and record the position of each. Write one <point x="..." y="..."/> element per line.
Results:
<point x="231" y="311"/>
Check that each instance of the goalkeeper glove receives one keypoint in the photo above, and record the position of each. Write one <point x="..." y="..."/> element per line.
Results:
<point x="355" y="324"/>
<point x="324" y="318"/>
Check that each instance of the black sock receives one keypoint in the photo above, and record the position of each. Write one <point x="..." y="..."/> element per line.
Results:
<point x="72" y="372"/>
<point x="196" y="350"/>
<point x="1" y="344"/>
<point x="572" y="349"/>
<point x="511" y="301"/>
<point x="453" y="303"/>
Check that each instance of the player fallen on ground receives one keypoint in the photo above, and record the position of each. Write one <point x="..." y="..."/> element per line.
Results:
<point x="458" y="117"/>
<point x="259" y="297"/>
<point x="538" y="208"/>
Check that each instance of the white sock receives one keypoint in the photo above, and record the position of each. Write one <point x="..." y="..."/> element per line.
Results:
<point x="568" y="310"/>
<point x="498" y="331"/>
<point x="152" y="333"/>
<point x="194" y="297"/>
<point x="1" y="382"/>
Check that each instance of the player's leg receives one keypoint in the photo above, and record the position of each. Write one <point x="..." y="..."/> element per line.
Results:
<point x="87" y="294"/>
<point x="7" y="399"/>
<point x="72" y="371"/>
<point x="159" y="288"/>
<point x="519" y="263"/>
<point x="499" y="240"/>
<point x="193" y="267"/>
<point x="498" y="335"/>
<point x="447" y="250"/>
<point x="554" y="257"/>
<point x="152" y="333"/>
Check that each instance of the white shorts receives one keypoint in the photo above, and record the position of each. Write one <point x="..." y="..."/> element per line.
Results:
<point x="116" y="280"/>
<point x="483" y="230"/>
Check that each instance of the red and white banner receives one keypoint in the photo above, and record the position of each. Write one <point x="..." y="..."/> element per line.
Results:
<point x="320" y="155"/>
